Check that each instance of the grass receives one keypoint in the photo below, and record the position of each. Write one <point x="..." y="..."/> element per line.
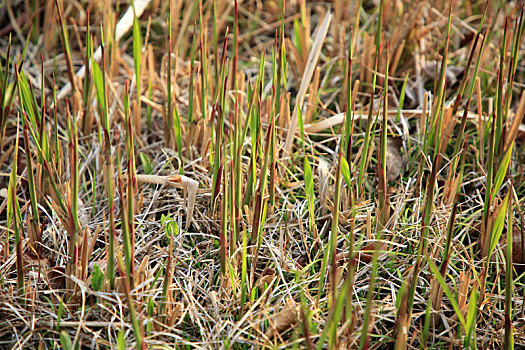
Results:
<point x="226" y="174"/>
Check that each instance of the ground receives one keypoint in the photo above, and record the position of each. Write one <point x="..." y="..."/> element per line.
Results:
<point x="262" y="174"/>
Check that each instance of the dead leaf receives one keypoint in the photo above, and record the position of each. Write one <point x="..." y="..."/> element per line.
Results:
<point x="411" y="100"/>
<point x="174" y="313"/>
<point x="266" y="278"/>
<point x="452" y="75"/>
<point x="394" y="160"/>
<point x="32" y="260"/>
<point x="323" y="174"/>
<point x="83" y="216"/>
<point x="402" y="322"/>
<point x="365" y="254"/>
<point x="102" y="264"/>
<point x="518" y="248"/>
<point x="283" y="321"/>
<point x="57" y="277"/>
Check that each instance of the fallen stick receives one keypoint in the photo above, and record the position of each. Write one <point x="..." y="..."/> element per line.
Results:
<point x="311" y="63"/>
<point x="338" y="119"/>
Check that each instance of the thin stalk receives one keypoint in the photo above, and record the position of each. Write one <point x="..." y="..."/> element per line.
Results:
<point x="67" y="50"/>
<point x="369" y="131"/>
<point x="167" y="280"/>
<point x="72" y="208"/>
<point x="508" y="343"/>
<point x="334" y="237"/>
<point x="384" y="208"/>
<point x="263" y="178"/>
<point x="218" y="109"/>
<point x="425" y="224"/>
<point x="204" y="63"/>
<point x="223" y="244"/>
<point x="30" y="174"/>
<point x="14" y="218"/>
<point x="131" y="190"/>
<point x="168" y="119"/>
<point x="137" y="330"/>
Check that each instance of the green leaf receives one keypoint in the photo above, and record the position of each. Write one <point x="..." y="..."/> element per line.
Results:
<point x="121" y="340"/>
<point x="170" y="226"/>
<point x="402" y="98"/>
<point x="403" y="290"/>
<point x="28" y="102"/>
<point x="177" y="130"/>
<point x="146" y="163"/>
<point x="59" y="313"/>
<point x="499" y="224"/>
<point x="447" y="291"/>
<point x="345" y="169"/>
<point x="14" y="218"/>
<point x="65" y="340"/>
<point x="301" y="126"/>
<point x="502" y="171"/>
<point x="97" y="279"/>
<point x="471" y="318"/>
<point x="99" y="86"/>
<point x="309" y="186"/>
<point x="137" y="46"/>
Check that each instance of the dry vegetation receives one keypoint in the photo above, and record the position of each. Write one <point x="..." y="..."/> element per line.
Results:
<point x="222" y="174"/>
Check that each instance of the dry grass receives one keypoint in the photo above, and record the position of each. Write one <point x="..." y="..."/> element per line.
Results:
<point x="310" y="227"/>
